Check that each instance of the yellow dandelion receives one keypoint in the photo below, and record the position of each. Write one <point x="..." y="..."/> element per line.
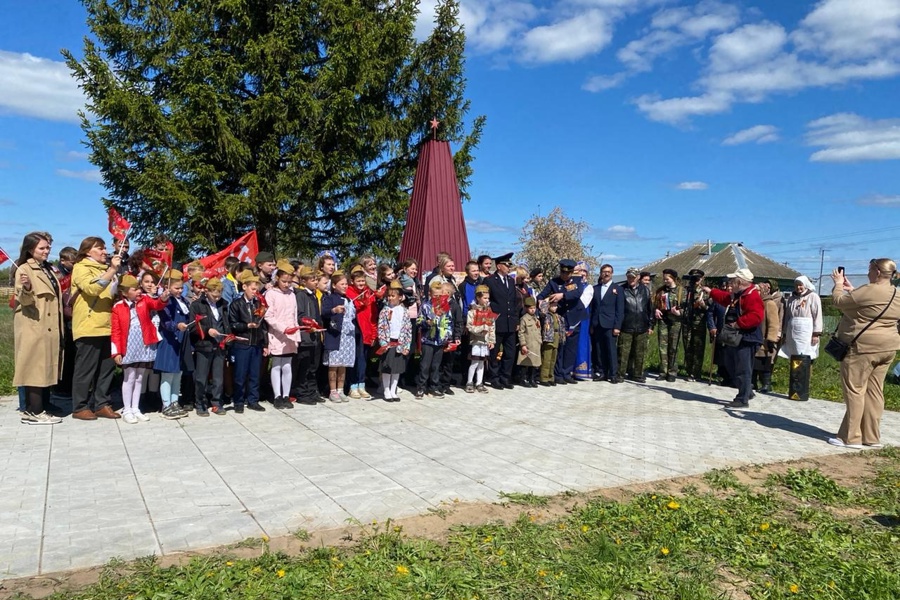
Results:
<point x="831" y="584"/>
<point x="280" y="573"/>
<point x="795" y="589"/>
<point x="256" y="570"/>
<point x="653" y="497"/>
<point x="764" y="527"/>
<point x="488" y="539"/>
<point x="229" y="564"/>
<point x="401" y="570"/>
<point x="664" y="550"/>
<point x="265" y="538"/>
<point x="673" y="505"/>
<point x="542" y="573"/>
<point x="768" y="584"/>
<point x="501" y="552"/>
<point x="209" y="574"/>
<point x="561" y="526"/>
<point x="502" y="563"/>
<point x="585" y="529"/>
<point x="774" y="546"/>
<point x="397" y="529"/>
<point x="618" y="541"/>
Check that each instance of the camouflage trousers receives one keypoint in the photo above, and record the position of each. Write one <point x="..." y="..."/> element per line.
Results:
<point x="667" y="331"/>
<point x="694" y="347"/>
<point x="632" y="349"/>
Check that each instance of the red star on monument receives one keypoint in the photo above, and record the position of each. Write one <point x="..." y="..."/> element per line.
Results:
<point x="434" y="125"/>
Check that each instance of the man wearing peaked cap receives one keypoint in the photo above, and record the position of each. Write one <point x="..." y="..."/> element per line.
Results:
<point x="693" y="327"/>
<point x="566" y="290"/>
<point x="743" y="274"/>
<point x="504" y="302"/>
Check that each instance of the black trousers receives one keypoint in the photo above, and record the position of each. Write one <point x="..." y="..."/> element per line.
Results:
<point x="739" y="362"/>
<point x="306" y="365"/>
<point x="430" y="367"/>
<point x="209" y="376"/>
<point x="500" y="370"/>
<point x="94" y="370"/>
<point x="566" y="361"/>
<point x="605" y="352"/>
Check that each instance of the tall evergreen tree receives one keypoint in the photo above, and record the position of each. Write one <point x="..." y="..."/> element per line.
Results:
<point x="299" y="118"/>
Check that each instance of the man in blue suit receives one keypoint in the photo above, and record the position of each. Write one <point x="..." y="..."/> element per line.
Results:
<point x="607" y="312"/>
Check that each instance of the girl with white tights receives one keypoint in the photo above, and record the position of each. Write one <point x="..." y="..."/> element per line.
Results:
<point x="284" y="333"/>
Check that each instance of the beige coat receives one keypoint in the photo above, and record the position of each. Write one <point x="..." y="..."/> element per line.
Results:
<point x="92" y="309"/>
<point x="38" y="329"/>
<point x="530" y="336"/>
<point x="771" y="325"/>
<point x="862" y="305"/>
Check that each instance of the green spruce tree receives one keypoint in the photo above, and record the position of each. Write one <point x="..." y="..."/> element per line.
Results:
<point x="300" y="119"/>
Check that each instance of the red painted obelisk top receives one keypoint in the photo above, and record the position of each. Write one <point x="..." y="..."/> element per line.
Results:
<point x="434" y="221"/>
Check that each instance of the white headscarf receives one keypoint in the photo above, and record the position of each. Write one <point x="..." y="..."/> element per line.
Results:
<point x="806" y="283"/>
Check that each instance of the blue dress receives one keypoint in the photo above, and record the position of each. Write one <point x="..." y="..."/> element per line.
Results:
<point x="345" y="355"/>
<point x="583" y="368"/>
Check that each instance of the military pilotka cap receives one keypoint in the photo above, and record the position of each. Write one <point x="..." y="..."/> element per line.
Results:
<point x="248" y="276"/>
<point x="566" y="265"/>
<point x="305" y="272"/>
<point x="128" y="281"/>
<point x="505" y="259"/>
<point x="214" y="284"/>
<point x="529" y="301"/>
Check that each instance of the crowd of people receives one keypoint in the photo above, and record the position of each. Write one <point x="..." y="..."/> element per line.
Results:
<point x="283" y="332"/>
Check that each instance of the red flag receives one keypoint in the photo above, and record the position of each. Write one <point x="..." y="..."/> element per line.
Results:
<point x="118" y="226"/>
<point x="3" y="256"/>
<point x="157" y="261"/>
<point x="245" y="248"/>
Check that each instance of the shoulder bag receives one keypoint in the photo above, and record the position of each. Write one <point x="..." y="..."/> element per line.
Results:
<point x="837" y="349"/>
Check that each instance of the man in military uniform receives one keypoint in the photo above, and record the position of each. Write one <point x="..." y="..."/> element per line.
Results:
<point x="669" y="305"/>
<point x="504" y="301"/>
<point x="565" y="289"/>
<point x="693" y="325"/>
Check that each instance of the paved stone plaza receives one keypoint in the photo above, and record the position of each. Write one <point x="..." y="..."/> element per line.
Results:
<point x="78" y="493"/>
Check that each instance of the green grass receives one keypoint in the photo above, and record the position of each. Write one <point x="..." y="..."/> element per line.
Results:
<point x="762" y="542"/>
<point x="7" y="360"/>
<point x="824" y="383"/>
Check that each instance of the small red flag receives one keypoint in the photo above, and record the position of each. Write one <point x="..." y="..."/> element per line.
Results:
<point x="3" y="256"/>
<point x="118" y="226"/>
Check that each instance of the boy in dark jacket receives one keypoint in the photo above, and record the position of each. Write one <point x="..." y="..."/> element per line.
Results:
<point x="245" y="316"/>
<point x="210" y="312"/>
<point x="309" y="353"/>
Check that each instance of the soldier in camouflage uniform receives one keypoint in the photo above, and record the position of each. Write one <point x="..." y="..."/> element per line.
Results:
<point x="693" y="325"/>
<point x="668" y="301"/>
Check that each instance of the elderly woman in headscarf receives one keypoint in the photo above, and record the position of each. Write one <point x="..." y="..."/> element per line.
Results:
<point x="583" y="365"/>
<point x="802" y="321"/>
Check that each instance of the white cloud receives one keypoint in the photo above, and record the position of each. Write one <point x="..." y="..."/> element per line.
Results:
<point x="837" y="43"/>
<point x="568" y="39"/>
<point x="676" y="111"/>
<point x="692" y="185"/>
<point x="847" y="137"/>
<point x="670" y="29"/>
<point x="75" y="155"/>
<point x="38" y="87"/>
<point x="760" y="134"/>
<point x="850" y="29"/>
<point x="619" y="233"/>
<point x="488" y="227"/>
<point x="880" y="200"/>
<point x="92" y="175"/>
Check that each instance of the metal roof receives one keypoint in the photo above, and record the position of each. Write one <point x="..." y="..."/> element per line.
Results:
<point x="718" y="260"/>
<point x="434" y="222"/>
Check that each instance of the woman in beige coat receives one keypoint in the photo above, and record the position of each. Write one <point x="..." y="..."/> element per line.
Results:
<point x="38" y="328"/>
<point x="870" y="356"/>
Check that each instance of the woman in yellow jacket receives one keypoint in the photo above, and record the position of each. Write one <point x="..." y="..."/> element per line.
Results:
<point x="38" y="328"/>
<point x="94" y="285"/>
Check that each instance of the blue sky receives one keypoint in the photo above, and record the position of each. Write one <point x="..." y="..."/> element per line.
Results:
<point x="661" y="123"/>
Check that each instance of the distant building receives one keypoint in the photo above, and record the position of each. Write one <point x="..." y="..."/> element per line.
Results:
<point x="718" y="260"/>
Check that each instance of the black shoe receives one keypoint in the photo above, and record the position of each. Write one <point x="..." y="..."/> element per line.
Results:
<point x="616" y="379"/>
<point x="508" y="385"/>
<point x="670" y="377"/>
<point x="497" y="385"/>
<point x="752" y="395"/>
<point x="597" y="378"/>
<point x="765" y="390"/>
<point x="436" y="394"/>
<point x="239" y="408"/>
<point x="737" y="404"/>
<point x="571" y="379"/>
<point x="546" y="383"/>
<point x="448" y="392"/>
<point x="420" y="393"/>
<point x="202" y="412"/>
<point x="276" y="402"/>
<point x="257" y="407"/>
<point x="640" y="379"/>
<point x="559" y="381"/>
<point x="287" y="404"/>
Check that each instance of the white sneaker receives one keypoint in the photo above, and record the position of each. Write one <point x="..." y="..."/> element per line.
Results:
<point x="41" y="418"/>
<point x="874" y="446"/>
<point x="141" y="416"/>
<point x="129" y="418"/>
<point x="840" y="443"/>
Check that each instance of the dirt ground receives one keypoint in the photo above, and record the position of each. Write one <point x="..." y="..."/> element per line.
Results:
<point x="846" y="469"/>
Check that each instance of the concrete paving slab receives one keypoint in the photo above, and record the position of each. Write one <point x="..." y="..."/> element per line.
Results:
<point x="79" y="493"/>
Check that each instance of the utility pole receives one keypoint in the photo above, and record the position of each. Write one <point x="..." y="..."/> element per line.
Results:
<point x="821" y="266"/>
